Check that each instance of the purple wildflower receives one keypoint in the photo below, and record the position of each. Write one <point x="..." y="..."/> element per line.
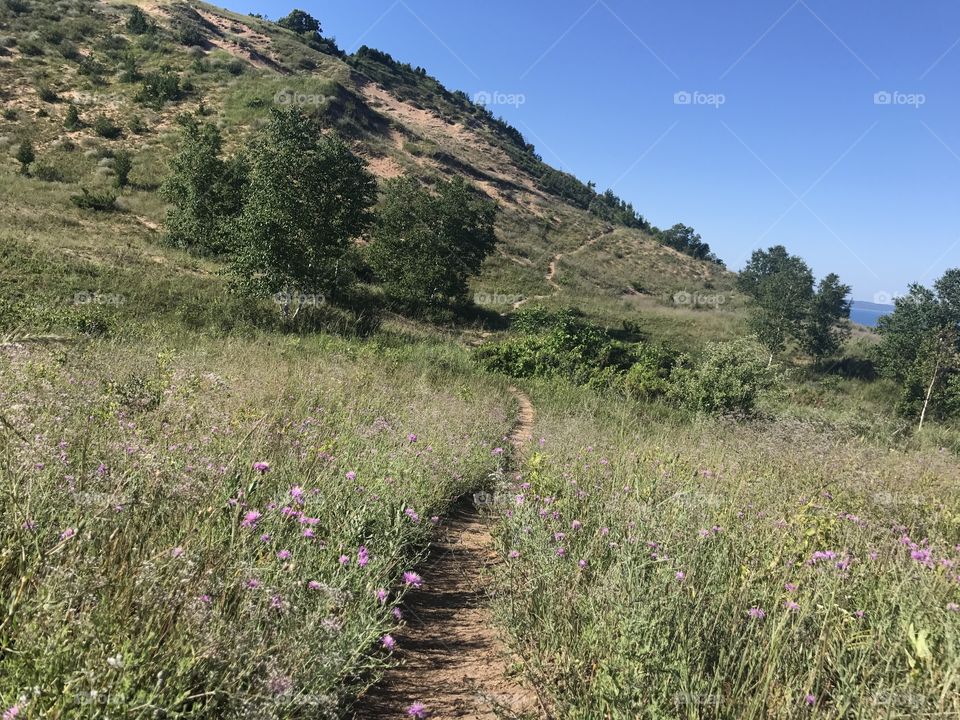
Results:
<point x="284" y="555"/>
<point x="261" y="467"/>
<point x="251" y="519"/>
<point x="388" y="642"/>
<point x="417" y="710"/>
<point x="363" y="557"/>
<point x="756" y="613"/>
<point x="412" y="579"/>
<point x="381" y="595"/>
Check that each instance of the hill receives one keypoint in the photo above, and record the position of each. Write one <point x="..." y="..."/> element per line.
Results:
<point x="130" y="87"/>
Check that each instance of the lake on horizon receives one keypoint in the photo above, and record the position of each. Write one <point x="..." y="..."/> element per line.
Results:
<point x="868" y="313"/>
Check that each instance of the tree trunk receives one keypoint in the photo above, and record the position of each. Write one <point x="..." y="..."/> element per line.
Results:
<point x="926" y="402"/>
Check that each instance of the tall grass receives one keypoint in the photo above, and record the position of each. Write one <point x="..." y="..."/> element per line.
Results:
<point x="220" y="530"/>
<point x="724" y="570"/>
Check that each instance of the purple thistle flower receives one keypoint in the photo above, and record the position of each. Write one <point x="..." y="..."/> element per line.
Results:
<point x="560" y="552"/>
<point x="14" y="711"/>
<point x="497" y="451"/>
<point x="351" y="476"/>
<point x="381" y="595"/>
<point x="284" y="555"/>
<point x="251" y="519"/>
<point x="756" y="613"/>
<point x="417" y="710"/>
<point x="261" y="467"/>
<point x="388" y="642"/>
<point x="177" y="552"/>
<point x="252" y="584"/>
<point x="296" y="492"/>
<point x="308" y="533"/>
<point x="791" y="606"/>
<point x="363" y="557"/>
<point x="344" y="560"/>
<point x="514" y="554"/>
<point x="397" y="614"/>
<point x="790" y="587"/>
<point x="681" y="575"/>
<point x="411" y="438"/>
<point x="276" y="602"/>
<point x="582" y="564"/>
<point x="314" y="585"/>
<point x="206" y="599"/>
<point x="412" y="579"/>
<point x="412" y="514"/>
<point x="810" y="699"/>
<point x="265" y="538"/>
<point x="68" y="533"/>
<point x="953" y="607"/>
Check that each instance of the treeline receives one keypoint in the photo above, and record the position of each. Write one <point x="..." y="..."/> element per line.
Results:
<point x="286" y="214"/>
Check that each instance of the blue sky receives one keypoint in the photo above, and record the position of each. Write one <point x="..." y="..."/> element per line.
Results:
<point x="783" y="141"/>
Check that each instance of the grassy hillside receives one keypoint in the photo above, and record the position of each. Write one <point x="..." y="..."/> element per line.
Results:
<point x="208" y="512"/>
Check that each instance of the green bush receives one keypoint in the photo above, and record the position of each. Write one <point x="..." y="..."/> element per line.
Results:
<point x="729" y="377"/>
<point x="48" y="173"/>
<point x="47" y="94"/>
<point x="158" y="88"/>
<point x="106" y="128"/>
<point x="99" y="201"/>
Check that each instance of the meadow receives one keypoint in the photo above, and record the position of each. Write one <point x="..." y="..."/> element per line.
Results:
<point x="222" y="529"/>
<point x="660" y="566"/>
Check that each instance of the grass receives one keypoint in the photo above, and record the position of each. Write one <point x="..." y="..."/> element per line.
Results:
<point x="660" y="568"/>
<point x="132" y="547"/>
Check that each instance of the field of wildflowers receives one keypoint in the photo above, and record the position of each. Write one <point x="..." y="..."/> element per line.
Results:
<point x="729" y="570"/>
<point x="222" y="529"/>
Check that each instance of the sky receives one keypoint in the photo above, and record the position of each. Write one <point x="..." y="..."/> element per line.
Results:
<point x="830" y="128"/>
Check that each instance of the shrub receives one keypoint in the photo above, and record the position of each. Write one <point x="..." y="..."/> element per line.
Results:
<point x="106" y="128"/>
<point x="10" y="114"/>
<point x="72" y="119"/>
<point x="138" y="23"/>
<point x="47" y="94"/>
<point x="30" y="48"/>
<point x="68" y="50"/>
<point x="122" y="165"/>
<point x="158" y="88"/>
<point x="25" y="155"/>
<point x="138" y="126"/>
<point x="99" y="201"/>
<point x="729" y="377"/>
<point x="47" y="173"/>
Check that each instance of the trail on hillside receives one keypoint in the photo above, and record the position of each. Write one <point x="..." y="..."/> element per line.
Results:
<point x="453" y="660"/>
<point x="551" y="276"/>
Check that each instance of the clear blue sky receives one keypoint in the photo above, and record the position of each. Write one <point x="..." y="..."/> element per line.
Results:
<point x="799" y="153"/>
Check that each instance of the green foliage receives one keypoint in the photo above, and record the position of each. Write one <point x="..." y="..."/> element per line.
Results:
<point x="47" y="94"/>
<point x="122" y="165"/>
<point x="99" y="201"/>
<point x="300" y="22"/>
<point x="48" y="173"/>
<point x="105" y="127"/>
<point x="787" y="305"/>
<point x="425" y="247"/>
<point x="156" y="88"/>
<point x="649" y="376"/>
<point x="686" y="240"/>
<point x="309" y="198"/>
<point x="205" y="190"/>
<point x="559" y="345"/>
<point x="138" y="23"/>
<point x="729" y="377"/>
<point x="72" y="119"/>
<point x="25" y="155"/>
<point x="920" y="348"/>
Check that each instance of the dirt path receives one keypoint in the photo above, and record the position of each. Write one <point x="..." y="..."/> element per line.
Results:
<point x="453" y="661"/>
<point x="551" y="276"/>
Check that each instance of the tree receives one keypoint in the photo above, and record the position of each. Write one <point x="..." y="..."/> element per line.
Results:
<point x="72" y="120"/>
<point x="685" y="239"/>
<point x="782" y="287"/>
<point x="920" y="349"/>
<point x="425" y="247"/>
<point x="205" y="190"/>
<point x="822" y="334"/>
<point x="138" y="23"/>
<point x="309" y="198"/>
<point x="25" y="155"/>
<point x="122" y="165"/>
<point x="300" y="22"/>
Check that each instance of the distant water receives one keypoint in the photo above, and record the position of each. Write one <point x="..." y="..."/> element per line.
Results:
<point x="868" y="313"/>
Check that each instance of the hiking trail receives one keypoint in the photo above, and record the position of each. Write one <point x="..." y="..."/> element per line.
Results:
<point x="453" y="660"/>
